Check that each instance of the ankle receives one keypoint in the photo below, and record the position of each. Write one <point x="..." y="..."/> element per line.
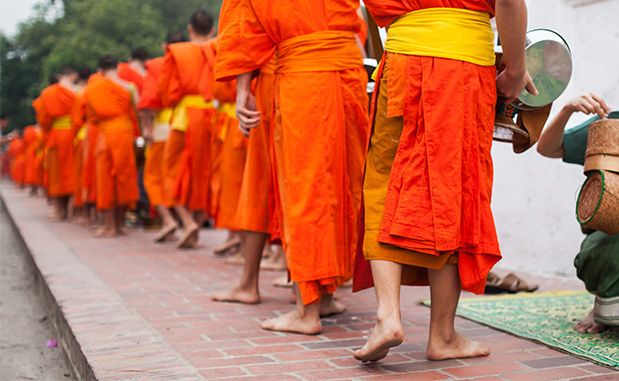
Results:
<point x="444" y="335"/>
<point x="383" y="317"/>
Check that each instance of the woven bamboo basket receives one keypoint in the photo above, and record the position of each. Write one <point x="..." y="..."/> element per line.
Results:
<point x="598" y="202"/>
<point x="603" y="146"/>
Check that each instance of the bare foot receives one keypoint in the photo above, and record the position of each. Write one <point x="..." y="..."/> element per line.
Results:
<point x="459" y="347"/>
<point x="588" y="325"/>
<point x="165" y="233"/>
<point x="330" y="307"/>
<point x="385" y="335"/>
<point x="282" y="282"/>
<point x="189" y="240"/>
<point x="293" y="322"/>
<point x="103" y="232"/>
<point x="231" y="244"/>
<point x="237" y="295"/>
<point x="273" y="263"/>
<point x="237" y="259"/>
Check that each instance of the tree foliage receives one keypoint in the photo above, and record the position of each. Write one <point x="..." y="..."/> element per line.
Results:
<point x="78" y="33"/>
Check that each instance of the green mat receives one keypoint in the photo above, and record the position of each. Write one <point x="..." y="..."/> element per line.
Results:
<point x="547" y="318"/>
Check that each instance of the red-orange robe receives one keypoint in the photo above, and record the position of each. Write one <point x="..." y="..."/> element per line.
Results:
<point x="434" y="202"/>
<point x="32" y="141"/>
<point x="89" y="165"/>
<point x="78" y="121"/>
<point x="154" y="178"/>
<point x="187" y="72"/>
<point x="321" y="126"/>
<point x="17" y="158"/>
<point x="53" y="114"/>
<point x="233" y="146"/>
<point x="110" y="105"/>
<point x="129" y="74"/>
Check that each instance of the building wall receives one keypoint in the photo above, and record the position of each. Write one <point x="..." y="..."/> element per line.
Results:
<point x="534" y="198"/>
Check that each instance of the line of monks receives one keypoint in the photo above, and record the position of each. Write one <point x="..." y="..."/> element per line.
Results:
<point x="265" y="130"/>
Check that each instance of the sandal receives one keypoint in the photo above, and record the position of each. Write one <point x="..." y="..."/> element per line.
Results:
<point x="513" y="284"/>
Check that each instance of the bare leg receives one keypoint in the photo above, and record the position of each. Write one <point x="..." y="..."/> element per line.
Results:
<point x="119" y="219"/>
<point x="189" y="240"/>
<point x="305" y="319"/>
<point x="233" y="242"/>
<point x="444" y="342"/>
<point x="247" y="291"/>
<point x="276" y="260"/>
<point x="330" y="306"/>
<point x="63" y="204"/>
<point x="588" y="325"/>
<point x="388" y="331"/>
<point x="109" y="224"/>
<point x="169" y="224"/>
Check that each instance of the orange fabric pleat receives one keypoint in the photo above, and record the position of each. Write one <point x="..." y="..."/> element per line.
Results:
<point x="78" y="173"/>
<point x="153" y="175"/>
<point x="32" y="140"/>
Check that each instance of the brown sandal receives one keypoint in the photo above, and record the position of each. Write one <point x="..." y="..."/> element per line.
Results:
<point x="514" y="284"/>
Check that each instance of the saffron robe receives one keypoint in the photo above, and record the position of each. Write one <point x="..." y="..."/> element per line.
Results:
<point x="321" y="126"/>
<point x="186" y="75"/>
<point x="429" y="171"/>
<point x="111" y="107"/>
<point x="32" y="142"/>
<point x="154" y="179"/>
<point x="16" y="152"/>
<point x="53" y="115"/>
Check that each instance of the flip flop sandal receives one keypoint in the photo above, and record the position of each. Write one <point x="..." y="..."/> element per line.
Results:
<point x="492" y="285"/>
<point x="514" y="284"/>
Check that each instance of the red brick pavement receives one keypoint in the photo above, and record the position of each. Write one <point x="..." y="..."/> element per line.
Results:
<point x="141" y="311"/>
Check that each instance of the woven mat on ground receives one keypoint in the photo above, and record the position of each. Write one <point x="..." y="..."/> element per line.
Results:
<point x="548" y="318"/>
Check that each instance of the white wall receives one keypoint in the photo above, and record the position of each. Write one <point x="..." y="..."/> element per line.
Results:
<point x="534" y="197"/>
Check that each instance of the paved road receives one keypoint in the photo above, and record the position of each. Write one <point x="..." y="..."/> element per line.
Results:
<point x="24" y="327"/>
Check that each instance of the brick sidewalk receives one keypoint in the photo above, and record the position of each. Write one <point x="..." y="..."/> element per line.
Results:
<point x="141" y="311"/>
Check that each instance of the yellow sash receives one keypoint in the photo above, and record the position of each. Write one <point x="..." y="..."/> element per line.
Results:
<point x="81" y="134"/>
<point x="161" y="126"/>
<point x="164" y="116"/>
<point x="453" y="33"/>
<point x="230" y="110"/>
<point x="180" y="119"/>
<point x="62" y="123"/>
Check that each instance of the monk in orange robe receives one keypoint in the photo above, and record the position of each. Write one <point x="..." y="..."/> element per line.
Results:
<point x="134" y="70"/>
<point x="89" y="165"/>
<point x="428" y="176"/>
<point x="79" y="125"/>
<point x="53" y="114"/>
<point x="185" y="84"/>
<point x="32" y="141"/>
<point x="320" y="134"/>
<point x="16" y="152"/>
<point x="255" y="211"/>
<point x="155" y="120"/>
<point x="110" y="104"/>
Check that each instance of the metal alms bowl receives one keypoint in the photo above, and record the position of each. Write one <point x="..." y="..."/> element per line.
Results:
<point x="549" y="62"/>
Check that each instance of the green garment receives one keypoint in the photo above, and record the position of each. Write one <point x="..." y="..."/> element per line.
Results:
<point x="597" y="263"/>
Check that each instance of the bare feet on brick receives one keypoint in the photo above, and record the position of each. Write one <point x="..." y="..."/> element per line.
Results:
<point x="166" y="233"/>
<point x="588" y="325"/>
<point x="457" y="347"/>
<point x="237" y="295"/>
<point x="294" y="322"/>
<point x="387" y="333"/>
<point x="103" y="232"/>
<point x="189" y="239"/>
<point x="330" y="306"/>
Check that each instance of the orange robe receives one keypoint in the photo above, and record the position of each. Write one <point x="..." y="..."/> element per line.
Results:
<point x="78" y="120"/>
<point x="110" y="106"/>
<point x="321" y="126"/>
<point x="32" y="141"/>
<point x="42" y="155"/>
<point x="89" y="165"/>
<point x="129" y="74"/>
<point x="233" y="146"/>
<point x="185" y="84"/>
<point x="427" y="195"/>
<point x="154" y="178"/>
<point x="16" y="153"/>
<point x="53" y="114"/>
<point x="256" y="210"/>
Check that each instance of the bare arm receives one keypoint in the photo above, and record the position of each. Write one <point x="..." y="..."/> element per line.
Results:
<point x="511" y="20"/>
<point x="551" y="142"/>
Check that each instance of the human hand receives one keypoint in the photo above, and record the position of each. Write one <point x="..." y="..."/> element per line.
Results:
<point x="589" y="103"/>
<point x="246" y="109"/>
<point x="510" y="84"/>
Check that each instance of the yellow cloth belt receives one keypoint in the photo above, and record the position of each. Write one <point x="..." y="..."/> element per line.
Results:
<point x="62" y="123"/>
<point x="180" y="119"/>
<point x="81" y="134"/>
<point x="230" y="110"/>
<point x="327" y="50"/>
<point x="164" y="116"/>
<point x="161" y="125"/>
<point x="453" y="33"/>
